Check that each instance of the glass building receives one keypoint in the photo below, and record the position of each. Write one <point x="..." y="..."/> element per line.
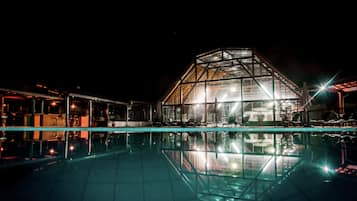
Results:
<point x="231" y="86"/>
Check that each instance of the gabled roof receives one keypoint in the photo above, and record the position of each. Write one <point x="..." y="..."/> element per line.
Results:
<point x="231" y="63"/>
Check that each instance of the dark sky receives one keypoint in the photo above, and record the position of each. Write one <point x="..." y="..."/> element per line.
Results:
<point x="140" y="59"/>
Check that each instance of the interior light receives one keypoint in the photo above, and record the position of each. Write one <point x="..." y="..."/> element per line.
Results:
<point x="234" y="165"/>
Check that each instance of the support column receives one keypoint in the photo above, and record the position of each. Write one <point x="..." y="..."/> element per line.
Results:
<point x="206" y="115"/>
<point x="181" y="101"/>
<point x="41" y="123"/>
<point x="67" y="125"/>
<point x="181" y="151"/>
<point x="341" y="104"/>
<point x="243" y="154"/>
<point x="107" y="133"/>
<point x="206" y="153"/>
<point x="127" y="124"/>
<point x="274" y="106"/>
<point x="32" y="133"/>
<point x="306" y="105"/>
<point x="274" y="123"/>
<point x="150" y="117"/>
<point x="275" y="159"/>
<point x="90" y="125"/>
<point x="3" y="117"/>
<point x="343" y="152"/>
<point x="241" y="102"/>
<point x="150" y="139"/>
<point x="3" y="123"/>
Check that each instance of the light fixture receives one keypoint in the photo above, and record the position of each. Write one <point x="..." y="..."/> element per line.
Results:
<point x="52" y="151"/>
<point x="234" y="165"/>
<point x="322" y="87"/>
<point x="71" y="148"/>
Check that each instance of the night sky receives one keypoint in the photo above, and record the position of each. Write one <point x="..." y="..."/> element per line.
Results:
<point x="140" y="59"/>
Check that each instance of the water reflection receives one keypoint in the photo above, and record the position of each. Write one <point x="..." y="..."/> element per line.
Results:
<point x="233" y="165"/>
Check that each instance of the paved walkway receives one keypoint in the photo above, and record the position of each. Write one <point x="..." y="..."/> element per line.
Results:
<point x="142" y="175"/>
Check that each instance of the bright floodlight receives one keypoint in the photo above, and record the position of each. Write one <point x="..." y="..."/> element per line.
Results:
<point x="322" y="87"/>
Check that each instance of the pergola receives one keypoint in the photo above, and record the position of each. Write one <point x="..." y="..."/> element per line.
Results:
<point x="340" y="89"/>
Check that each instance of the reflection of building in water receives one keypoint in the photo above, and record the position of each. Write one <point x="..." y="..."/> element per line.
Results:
<point x="233" y="165"/>
<point x="231" y="86"/>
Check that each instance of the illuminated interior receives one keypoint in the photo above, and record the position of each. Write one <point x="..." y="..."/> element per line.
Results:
<point x="231" y="86"/>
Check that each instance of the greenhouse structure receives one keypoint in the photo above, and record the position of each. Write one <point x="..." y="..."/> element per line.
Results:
<point x="231" y="86"/>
